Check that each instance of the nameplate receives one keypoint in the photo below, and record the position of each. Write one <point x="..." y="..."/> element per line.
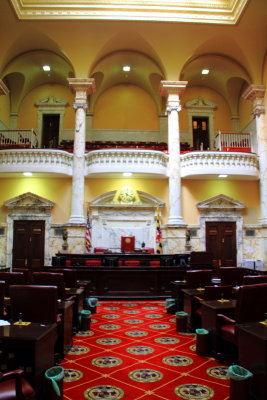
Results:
<point x="223" y="301"/>
<point x="22" y="323"/>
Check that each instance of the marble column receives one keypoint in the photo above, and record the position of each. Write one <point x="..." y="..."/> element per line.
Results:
<point x="81" y="87"/>
<point x="256" y="93"/>
<point x="173" y="90"/>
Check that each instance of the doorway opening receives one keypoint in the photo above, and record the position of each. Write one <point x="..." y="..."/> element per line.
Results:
<point x="50" y="130"/>
<point x="221" y="242"/>
<point x="200" y="128"/>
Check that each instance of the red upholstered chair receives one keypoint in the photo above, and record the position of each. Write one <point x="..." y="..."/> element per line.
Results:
<point x="93" y="263"/>
<point x="198" y="278"/>
<point x="12" y="278"/>
<point x="13" y="386"/>
<point x="150" y="250"/>
<point x="232" y="275"/>
<point x="250" y="307"/>
<point x="254" y="279"/>
<point x="132" y="263"/>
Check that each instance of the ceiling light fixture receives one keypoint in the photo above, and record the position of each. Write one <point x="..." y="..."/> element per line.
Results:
<point x="223" y="176"/>
<point x="205" y="71"/>
<point x="127" y="174"/>
<point x="126" y="68"/>
<point x="46" y="68"/>
<point x="27" y="173"/>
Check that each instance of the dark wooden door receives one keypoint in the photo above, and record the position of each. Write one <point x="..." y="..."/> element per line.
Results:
<point x="221" y="242"/>
<point x="50" y="132"/>
<point x="200" y="133"/>
<point x="28" y="244"/>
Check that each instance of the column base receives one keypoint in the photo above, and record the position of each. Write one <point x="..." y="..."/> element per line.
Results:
<point x="176" y="221"/>
<point x="77" y="219"/>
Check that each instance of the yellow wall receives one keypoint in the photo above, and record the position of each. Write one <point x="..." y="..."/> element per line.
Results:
<point x="195" y="191"/>
<point x="57" y="190"/>
<point x="222" y="117"/>
<point x="4" y="109"/>
<point x="245" y="113"/>
<point x="125" y="106"/>
<point x="28" y="112"/>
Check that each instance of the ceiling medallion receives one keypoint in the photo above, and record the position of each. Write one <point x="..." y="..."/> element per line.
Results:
<point x="197" y="11"/>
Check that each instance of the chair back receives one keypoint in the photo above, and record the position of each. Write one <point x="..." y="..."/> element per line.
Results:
<point x="201" y="260"/>
<point x="251" y="303"/>
<point x="217" y="292"/>
<point x="232" y="275"/>
<point x="52" y="279"/>
<point x="2" y="299"/>
<point x="198" y="278"/>
<point x="254" y="279"/>
<point x="36" y="303"/>
<point x="27" y="274"/>
<point x="12" y="278"/>
<point x="70" y="276"/>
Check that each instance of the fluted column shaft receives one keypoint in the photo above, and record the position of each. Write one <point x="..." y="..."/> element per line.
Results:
<point x="173" y="90"/>
<point x="81" y="87"/>
<point x="256" y="93"/>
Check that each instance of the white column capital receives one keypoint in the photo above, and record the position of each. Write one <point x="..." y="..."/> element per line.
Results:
<point x="256" y="94"/>
<point x="3" y="88"/>
<point x="82" y="87"/>
<point x="172" y="87"/>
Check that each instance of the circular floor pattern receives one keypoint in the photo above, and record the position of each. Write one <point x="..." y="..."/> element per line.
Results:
<point x="159" y="326"/>
<point x="133" y="321"/>
<point x="110" y="316"/>
<point x="108" y="341"/>
<point x="101" y="392"/>
<point x="131" y="312"/>
<point x="111" y="308"/>
<point x="217" y="372"/>
<point x="130" y="305"/>
<point x="177" y="360"/>
<point x="72" y="375"/>
<point x="77" y="350"/>
<point x="145" y="375"/>
<point x="136" y="333"/>
<point x="140" y="350"/>
<point x="193" y="347"/>
<point x="109" y="327"/>
<point x="167" y="340"/>
<point x="106" y="362"/>
<point x="194" y="391"/>
<point x="149" y="308"/>
<point x="84" y="333"/>
<point x="154" y="316"/>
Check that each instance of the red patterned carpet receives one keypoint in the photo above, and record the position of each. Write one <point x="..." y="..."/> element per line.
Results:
<point x="133" y="352"/>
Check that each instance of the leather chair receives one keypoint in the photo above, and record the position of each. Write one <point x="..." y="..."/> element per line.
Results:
<point x="12" y="278"/>
<point x="198" y="278"/>
<point x="27" y="274"/>
<point x="251" y="306"/>
<point x="52" y="279"/>
<point x="13" y="386"/>
<point x="254" y="279"/>
<point x="36" y="303"/>
<point x="232" y="275"/>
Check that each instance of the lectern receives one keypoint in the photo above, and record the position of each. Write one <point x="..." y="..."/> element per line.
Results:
<point x="127" y="244"/>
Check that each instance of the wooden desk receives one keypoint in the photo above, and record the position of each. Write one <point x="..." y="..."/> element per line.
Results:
<point x="252" y="355"/>
<point x="210" y="309"/>
<point x="78" y="297"/>
<point x="65" y="334"/>
<point x="190" y="305"/>
<point x="31" y="347"/>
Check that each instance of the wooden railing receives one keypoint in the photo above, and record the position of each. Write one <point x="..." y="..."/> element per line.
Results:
<point x="22" y="138"/>
<point x="233" y="142"/>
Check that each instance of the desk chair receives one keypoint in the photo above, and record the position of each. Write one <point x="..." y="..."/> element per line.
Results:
<point x="232" y="275"/>
<point x="52" y="279"/>
<point x="27" y="274"/>
<point x="13" y="386"/>
<point x="198" y="278"/>
<point x="12" y="278"/>
<point x="250" y="307"/>
<point x="254" y="279"/>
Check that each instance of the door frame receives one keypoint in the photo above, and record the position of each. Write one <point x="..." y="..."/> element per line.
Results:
<point x="222" y="208"/>
<point x="28" y="206"/>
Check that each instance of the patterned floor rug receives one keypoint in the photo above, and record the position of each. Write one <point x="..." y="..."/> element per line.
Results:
<point x="133" y="352"/>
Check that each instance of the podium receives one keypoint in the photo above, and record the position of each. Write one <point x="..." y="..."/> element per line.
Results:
<point x="127" y="244"/>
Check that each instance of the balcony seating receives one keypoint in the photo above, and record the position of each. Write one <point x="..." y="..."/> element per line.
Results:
<point x="250" y="307"/>
<point x="232" y="275"/>
<point x="12" y="278"/>
<point x="13" y="386"/>
<point x="198" y="278"/>
<point x="254" y="279"/>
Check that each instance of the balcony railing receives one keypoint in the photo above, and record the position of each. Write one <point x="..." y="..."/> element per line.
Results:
<point x="233" y="142"/>
<point x="15" y="139"/>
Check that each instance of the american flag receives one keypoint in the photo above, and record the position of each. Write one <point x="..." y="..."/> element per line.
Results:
<point x="158" y="235"/>
<point x="88" y="235"/>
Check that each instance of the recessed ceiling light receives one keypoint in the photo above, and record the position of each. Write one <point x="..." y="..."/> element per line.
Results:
<point x="205" y="71"/>
<point x="126" y="68"/>
<point x="222" y="176"/>
<point x="46" y="68"/>
<point x="127" y="174"/>
<point x="27" y="173"/>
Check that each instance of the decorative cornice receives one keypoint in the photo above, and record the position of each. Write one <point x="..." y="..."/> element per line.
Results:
<point x="256" y="93"/>
<point x="197" y="11"/>
<point x="172" y="87"/>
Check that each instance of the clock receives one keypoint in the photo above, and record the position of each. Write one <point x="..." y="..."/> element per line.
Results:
<point x="127" y="194"/>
